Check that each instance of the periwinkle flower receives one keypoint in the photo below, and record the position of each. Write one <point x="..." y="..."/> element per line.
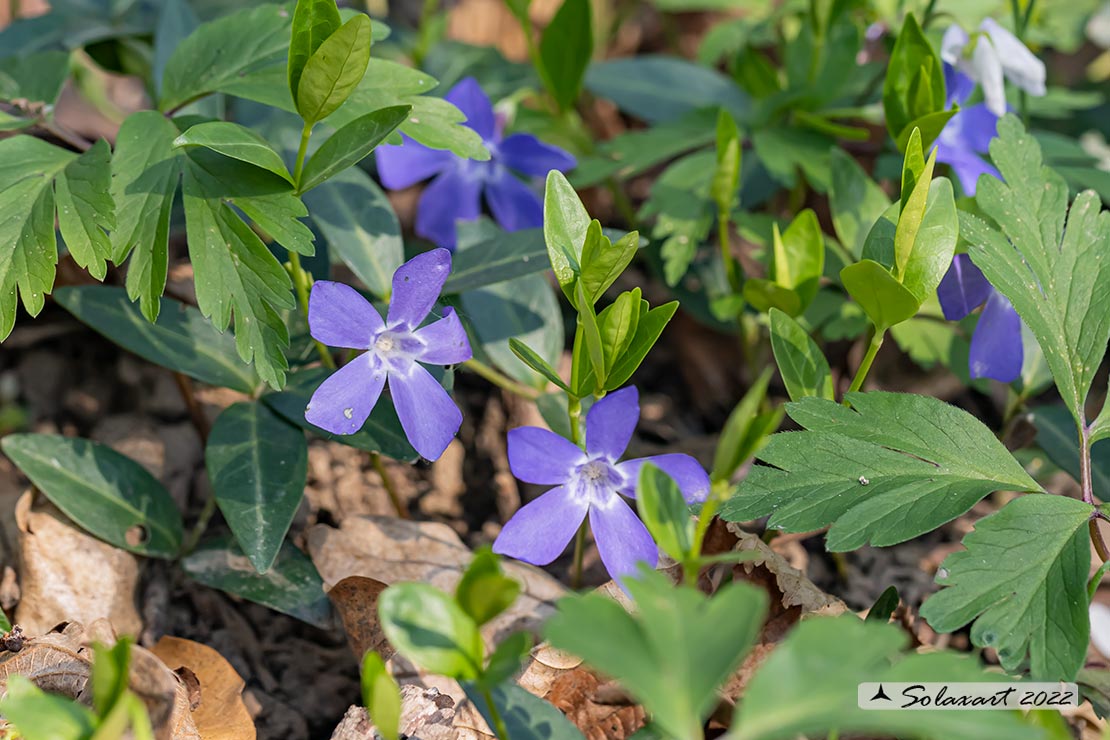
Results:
<point x="456" y="192"/>
<point x="589" y="482"/>
<point x="339" y="316"/>
<point x="996" y="345"/>
<point x="967" y="135"/>
<point x="991" y="55"/>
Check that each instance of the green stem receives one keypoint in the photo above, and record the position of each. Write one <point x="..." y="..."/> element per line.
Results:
<point x="574" y="414"/>
<point x="501" y="380"/>
<point x="424" y="41"/>
<point x="928" y="17"/>
<point x="301" y="285"/>
<point x="498" y="728"/>
<point x="387" y="484"/>
<point x="868" y="359"/>
<point x="199" y="528"/>
<point x="306" y="133"/>
<point x="729" y="262"/>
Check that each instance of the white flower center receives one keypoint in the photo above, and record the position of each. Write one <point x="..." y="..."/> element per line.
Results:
<point x="385" y="344"/>
<point x="594" y="471"/>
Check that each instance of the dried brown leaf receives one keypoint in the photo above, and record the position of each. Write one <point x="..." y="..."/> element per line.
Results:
<point x="220" y="713"/>
<point x="356" y="600"/>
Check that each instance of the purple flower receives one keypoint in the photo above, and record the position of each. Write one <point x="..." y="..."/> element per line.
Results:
<point x="455" y="193"/>
<point x="589" y="482"/>
<point x="339" y="316"/>
<point x="996" y="345"/>
<point x="967" y="135"/>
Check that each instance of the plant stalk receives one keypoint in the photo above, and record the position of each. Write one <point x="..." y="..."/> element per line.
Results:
<point x="498" y="728"/>
<point x="869" y="358"/>
<point x="387" y="484"/>
<point x="501" y="380"/>
<point x="574" y="414"/>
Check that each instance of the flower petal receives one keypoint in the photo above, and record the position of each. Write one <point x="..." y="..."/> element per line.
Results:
<point x="403" y="165"/>
<point x="1021" y="66"/>
<point x="343" y="402"/>
<point x="528" y="155"/>
<point x="962" y="288"/>
<point x="687" y="472"/>
<point x="445" y="341"/>
<point x="339" y="316"/>
<point x="540" y="531"/>
<point x="996" y="350"/>
<point x="622" y="539"/>
<point x="416" y="287"/>
<point x="986" y="68"/>
<point x="958" y="85"/>
<point x="515" y="205"/>
<point x="428" y="415"/>
<point x="450" y="198"/>
<point x="611" y="422"/>
<point x="540" y="456"/>
<point x="966" y="165"/>
<point x="977" y="126"/>
<point x="469" y="97"/>
<point x="953" y="43"/>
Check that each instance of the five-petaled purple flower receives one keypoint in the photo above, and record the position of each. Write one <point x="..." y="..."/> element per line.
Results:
<point x="339" y="316"/>
<point x="967" y="135"/>
<point x="996" y="345"/>
<point x="455" y="193"/>
<point x="589" y="482"/>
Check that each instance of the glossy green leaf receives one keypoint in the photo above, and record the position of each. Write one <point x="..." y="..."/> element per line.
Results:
<point x="1023" y="580"/>
<point x="181" y="339"/>
<point x="886" y="301"/>
<point x="292" y="586"/>
<point x="313" y="22"/>
<point x="618" y="323"/>
<point x="42" y="716"/>
<point x="804" y="369"/>
<point x="257" y="464"/>
<point x="484" y="591"/>
<point x="912" y="213"/>
<point x="350" y="144"/>
<point x="110" y="674"/>
<point x="565" y="50"/>
<point x="914" y="84"/>
<point x="648" y="330"/>
<point x="725" y="188"/>
<point x="526" y="716"/>
<point x="878" y="245"/>
<point x="507" y="658"/>
<point x="145" y="172"/>
<point x="237" y="142"/>
<point x="603" y="261"/>
<point x="766" y="295"/>
<point x="664" y="512"/>
<point x="855" y="199"/>
<point x="565" y="223"/>
<point x="86" y="211"/>
<point x="1057" y="277"/>
<point x="36" y="78"/>
<point x="334" y="70"/>
<point x="504" y="256"/>
<point x="1058" y="437"/>
<point x="1100" y="427"/>
<point x="176" y="20"/>
<point x="110" y="495"/>
<point x="934" y="242"/>
<point x="745" y="430"/>
<point x="874" y="472"/>
<point x="532" y="359"/>
<point x="799" y="256"/>
<point x="591" y="334"/>
<point x="380" y="694"/>
<point x="357" y="221"/>
<point x="883" y="608"/>
<point x="427" y="627"/>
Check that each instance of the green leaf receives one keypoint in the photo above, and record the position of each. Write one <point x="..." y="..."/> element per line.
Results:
<point x="855" y="199"/>
<point x="673" y="654"/>
<point x="791" y="695"/>
<point x="766" y="295"/>
<point x="110" y="674"/>
<point x="878" y="245"/>
<point x="314" y="21"/>
<point x="565" y="223"/>
<point x="591" y="333"/>
<point x="885" y="300"/>
<point x="292" y="586"/>
<point x="648" y="330"/>
<point x="565" y="49"/>
<point x="1056" y="277"/>
<point x="507" y="255"/>
<point x="110" y="495"/>
<point x="358" y="223"/>
<point x="786" y="150"/>
<point x="382" y="432"/>
<point x="745" y="430"/>
<point x="36" y="78"/>
<point x="532" y="359"/>
<point x="1100" y="427"/>
<point x="883" y="608"/>
<point x="1058" y="437"/>
<point x="427" y="627"/>
<point x="664" y="512"/>
<point x="799" y="256"/>
<point x="934" y="242"/>
<point x="526" y="716"/>
<point x="914" y="84"/>
<point x="684" y="211"/>
<point x="484" y="591"/>
<point x="176" y="20"/>
<point x="234" y="271"/>
<point x="1023" y="580"/>
<point x="257" y="464"/>
<point x="224" y="51"/>
<point x="603" y="261"/>
<point x="618" y="324"/>
<point x="42" y="716"/>
<point x="929" y="125"/>
<point x="876" y="472"/>
<point x="380" y="693"/>
<point x="181" y="339"/>
<point x="507" y="658"/>
<point x="145" y="171"/>
<point x="334" y="70"/>
<point x="350" y="145"/>
<point x="726" y="178"/>
<point x="804" y="369"/>
<point x="86" y="211"/>
<point x="28" y="247"/>
<point x="237" y="142"/>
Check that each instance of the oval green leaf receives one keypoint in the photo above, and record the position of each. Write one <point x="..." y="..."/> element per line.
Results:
<point x="334" y="70"/>
<point x="431" y="630"/>
<point x="804" y="369"/>
<point x="350" y="144"/>
<point x="237" y="142"/>
<point x="885" y="300"/>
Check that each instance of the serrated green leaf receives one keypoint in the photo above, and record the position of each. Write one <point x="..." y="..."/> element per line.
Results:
<point x="1023" y="580"/>
<point x="110" y="495"/>
<point x="885" y="300"/>
<point x="804" y="369"/>
<point x="350" y="144"/>
<point x="565" y="50"/>
<point x="334" y="70"/>
<point x="888" y="469"/>
<point x="648" y="330"/>
<point x="791" y="695"/>
<point x="427" y="627"/>
<point x="744" y="430"/>
<point x="28" y="247"/>
<point x="181" y="339"/>
<point x="145" y="171"/>
<point x="257" y="463"/>
<point x="380" y="693"/>
<point x="1056" y="277"/>
<point x="856" y="201"/>
<point x="86" y="211"/>
<point x="565" y="223"/>
<point x="237" y="142"/>
<point x="313" y="22"/>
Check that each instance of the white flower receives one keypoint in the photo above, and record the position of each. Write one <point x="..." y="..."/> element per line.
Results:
<point x="996" y="53"/>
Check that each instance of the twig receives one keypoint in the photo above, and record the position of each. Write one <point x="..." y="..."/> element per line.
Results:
<point x="196" y="413"/>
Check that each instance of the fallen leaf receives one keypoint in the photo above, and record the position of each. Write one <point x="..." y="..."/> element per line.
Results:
<point x="220" y="713"/>
<point x="356" y="600"/>
<point x="426" y="714"/>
